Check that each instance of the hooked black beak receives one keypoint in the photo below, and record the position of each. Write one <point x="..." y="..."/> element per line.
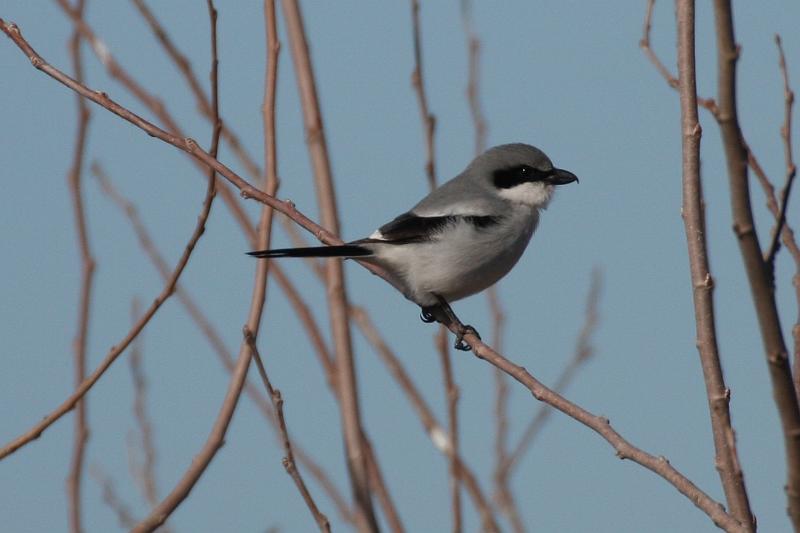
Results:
<point x="560" y="177"/>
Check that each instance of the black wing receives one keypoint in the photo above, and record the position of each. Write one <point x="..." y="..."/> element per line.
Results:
<point x="410" y="228"/>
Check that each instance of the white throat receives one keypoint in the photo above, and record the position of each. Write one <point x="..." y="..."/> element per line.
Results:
<point x="536" y="195"/>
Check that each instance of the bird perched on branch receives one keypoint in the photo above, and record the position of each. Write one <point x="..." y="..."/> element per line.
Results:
<point x="461" y="238"/>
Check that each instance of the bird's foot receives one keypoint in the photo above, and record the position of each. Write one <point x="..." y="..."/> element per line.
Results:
<point x="426" y="315"/>
<point x="460" y="344"/>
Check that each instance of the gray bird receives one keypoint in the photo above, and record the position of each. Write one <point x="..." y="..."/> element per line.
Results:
<point x="461" y="238"/>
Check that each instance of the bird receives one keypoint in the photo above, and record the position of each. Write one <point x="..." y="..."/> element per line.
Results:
<point x="461" y="238"/>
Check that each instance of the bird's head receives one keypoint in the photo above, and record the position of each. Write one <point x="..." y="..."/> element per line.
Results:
<point x="520" y="173"/>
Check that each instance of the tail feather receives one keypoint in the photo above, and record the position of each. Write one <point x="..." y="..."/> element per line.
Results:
<point x="344" y="250"/>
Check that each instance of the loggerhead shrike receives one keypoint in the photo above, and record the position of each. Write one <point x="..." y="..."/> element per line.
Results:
<point x="461" y="238"/>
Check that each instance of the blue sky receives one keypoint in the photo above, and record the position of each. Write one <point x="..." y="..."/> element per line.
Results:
<point x="565" y="76"/>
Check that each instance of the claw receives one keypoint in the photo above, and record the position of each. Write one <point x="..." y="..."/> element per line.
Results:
<point x="426" y="316"/>
<point x="460" y="344"/>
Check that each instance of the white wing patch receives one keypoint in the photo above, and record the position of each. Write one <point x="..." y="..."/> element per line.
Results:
<point x="473" y="209"/>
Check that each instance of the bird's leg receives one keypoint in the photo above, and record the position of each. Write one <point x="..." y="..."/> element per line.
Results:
<point x="463" y="329"/>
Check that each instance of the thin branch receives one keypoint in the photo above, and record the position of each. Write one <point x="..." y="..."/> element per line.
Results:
<point x="782" y="227"/>
<point x="217" y="437"/>
<point x="451" y="395"/>
<point x="184" y="66"/>
<point x="180" y="60"/>
<point x="337" y="294"/>
<point x="433" y="428"/>
<point x="146" y="474"/>
<point x="418" y="83"/>
<point x="791" y="169"/>
<point x="112" y="499"/>
<point x="602" y="426"/>
<point x="301" y="309"/>
<point x="157" y="107"/>
<point x="378" y="485"/>
<point x="583" y="352"/>
<point x="440" y="340"/>
<point x="271" y="178"/>
<point x="504" y="496"/>
<point x="727" y="460"/>
<point x="644" y="43"/>
<point x="277" y="405"/>
<point x="186" y="144"/>
<point x="200" y="462"/>
<point x="154" y="104"/>
<point x="778" y="369"/>
<point x="273" y="47"/>
<point x="759" y="274"/>
<point x="117" y="349"/>
<point x="214" y="338"/>
<point x="473" y="99"/>
<point x="188" y="74"/>
<point x="787" y="234"/>
<point x="507" y="461"/>
<point x="75" y="477"/>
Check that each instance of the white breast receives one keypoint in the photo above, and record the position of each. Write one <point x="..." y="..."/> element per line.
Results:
<point x="462" y="261"/>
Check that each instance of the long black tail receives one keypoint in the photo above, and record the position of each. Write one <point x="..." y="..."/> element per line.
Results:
<point x="345" y="250"/>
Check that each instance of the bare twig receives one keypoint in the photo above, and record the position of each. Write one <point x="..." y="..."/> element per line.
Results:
<point x="583" y="352"/>
<point x="277" y="405"/>
<point x="215" y="440"/>
<point x="778" y="364"/>
<point x="702" y="283"/>
<point x="300" y="307"/>
<point x="13" y="32"/>
<point x="154" y="104"/>
<point x="644" y="44"/>
<point x="146" y="474"/>
<point x="791" y="169"/>
<point x="780" y="214"/>
<point x="759" y="274"/>
<point x="203" y="103"/>
<point x="474" y="49"/>
<point x="337" y="295"/>
<point x="707" y="103"/>
<point x="214" y="338"/>
<point x="270" y="159"/>
<point x="273" y="46"/>
<point x="504" y="496"/>
<point x="185" y="68"/>
<point x="433" y="428"/>
<point x="186" y="144"/>
<point x="378" y="485"/>
<point x="75" y="477"/>
<point x="111" y="498"/>
<point x="440" y="341"/>
<point x="602" y="426"/>
<point x="787" y="235"/>
<point x="239" y="376"/>
<point x="417" y="81"/>
<point x="451" y="396"/>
